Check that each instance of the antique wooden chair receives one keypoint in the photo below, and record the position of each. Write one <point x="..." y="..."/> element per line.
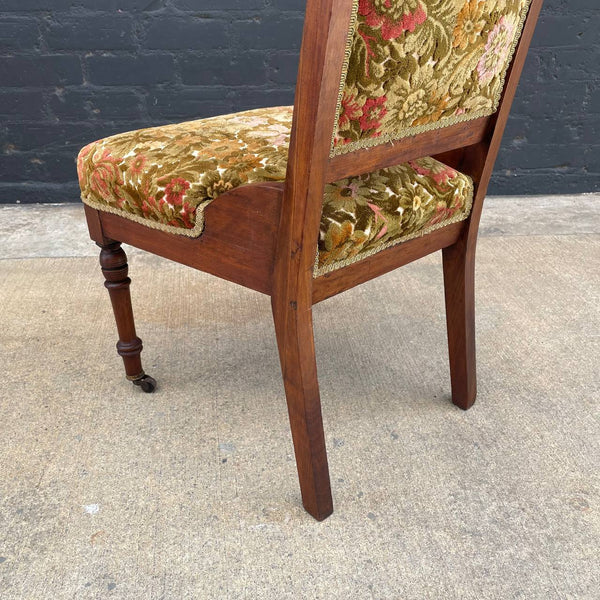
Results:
<point x="315" y="200"/>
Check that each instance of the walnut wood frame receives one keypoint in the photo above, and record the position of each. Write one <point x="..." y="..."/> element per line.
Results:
<point x="264" y="236"/>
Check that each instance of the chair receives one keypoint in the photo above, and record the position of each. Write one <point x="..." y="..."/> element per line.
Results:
<point x="385" y="158"/>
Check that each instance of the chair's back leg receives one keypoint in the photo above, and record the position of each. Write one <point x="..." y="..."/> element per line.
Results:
<point x="113" y="261"/>
<point x="459" y="287"/>
<point x="295" y="340"/>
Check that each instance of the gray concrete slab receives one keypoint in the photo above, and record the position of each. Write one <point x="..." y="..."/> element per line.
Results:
<point x="59" y="230"/>
<point x="191" y="493"/>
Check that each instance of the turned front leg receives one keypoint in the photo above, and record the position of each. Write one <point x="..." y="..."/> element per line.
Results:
<point x="113" y="261"/>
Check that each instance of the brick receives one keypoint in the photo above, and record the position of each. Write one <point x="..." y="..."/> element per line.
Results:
<point x="298" y="5"/>
<point x="280" y="33"/>
<point x="252" y="98"/>
<point x="195" y="6"/>
<point x="40" y="71"/>
<point x="536" y="156"/>
<point x="570" y="64"/>
<point x="543" y="182"/>
<point x="97" y="105"/>
<point x="566" y="30"/>
<point x="189" y="33"/>
<point x="224" y="69"/>
<point x="587" y="129"/>
<point x="22" y="105"/>
<point x="39" y="192"/>
<point x="32" y="6"/>
<point x="570" y="6"/>
<point x="594" y="103"/>
<point x="549" y="99"/>
<point x="183" y="104"/>
<point x="18" y="34"/>
<point x="112" y="6"/>
<point x="131" y="70"/>
<point x="111" y="32"/>
<point x="283" y="67"/>
<point x="54" y="167"/>
<point x="43" y="136"/>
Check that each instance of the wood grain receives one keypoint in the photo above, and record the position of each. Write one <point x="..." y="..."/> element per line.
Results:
<point x="113" y="261"/>
<point x="264" y="236"/>
<point x="238" y="243"/>
<point x="416" y="146"/>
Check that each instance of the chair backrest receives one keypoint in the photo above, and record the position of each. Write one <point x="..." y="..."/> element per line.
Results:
<point x="417" y="65"/>
<point x="381" y="82"/>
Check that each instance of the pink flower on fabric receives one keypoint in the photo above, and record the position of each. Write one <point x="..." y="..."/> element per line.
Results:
<point x="378" y="215"/>
<point x="137" y="164"/>
<point x="373" y="111"/>
<point x="390" y="16"/>
<point x="497" y="50"/>
<point x="440" y="173"/>
<point x="250" y="121"/>
<point x="368" y="39"/>
<point x="368" y="116"/>
<point x="187" y="211"/>
<point x="82" y="156"/>
<point x="340" y="140"/>
<point x="277" y="135"/>
<point x="175" y="190"/>
<point x="106" y="176"/>
<point x="146" y="208"/>
<point x="351" y="111"/>
<point x="442" y="213"/>
<point x="353" y="187"/>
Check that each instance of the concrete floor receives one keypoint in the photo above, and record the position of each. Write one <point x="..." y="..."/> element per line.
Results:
<point x="192" y="493"/>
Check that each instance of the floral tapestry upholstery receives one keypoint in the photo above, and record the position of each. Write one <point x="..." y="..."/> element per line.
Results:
<point x="417" y="65"/>
<point x="164" y="177"/>
<point x="369" y="213"/>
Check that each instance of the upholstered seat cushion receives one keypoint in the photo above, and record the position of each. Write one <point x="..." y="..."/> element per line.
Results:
<point x="164" y="177"/>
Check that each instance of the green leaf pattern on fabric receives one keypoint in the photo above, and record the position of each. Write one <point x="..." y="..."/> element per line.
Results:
<point x="163" y="174"/>
<point x="417" y="65"/>
<point x="366" y="214"/>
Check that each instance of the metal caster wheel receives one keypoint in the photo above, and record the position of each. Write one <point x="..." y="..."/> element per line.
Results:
<point x="147" y="383"/>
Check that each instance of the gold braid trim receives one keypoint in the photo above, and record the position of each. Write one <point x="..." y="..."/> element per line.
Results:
<point x="345" y="68"/>
<point x="195" y="232"/>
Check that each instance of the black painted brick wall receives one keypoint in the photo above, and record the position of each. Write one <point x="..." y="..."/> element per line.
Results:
<point x="72" y="71"/>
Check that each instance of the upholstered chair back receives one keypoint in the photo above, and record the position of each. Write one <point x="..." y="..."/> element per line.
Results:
<point x="417" y="65"/>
